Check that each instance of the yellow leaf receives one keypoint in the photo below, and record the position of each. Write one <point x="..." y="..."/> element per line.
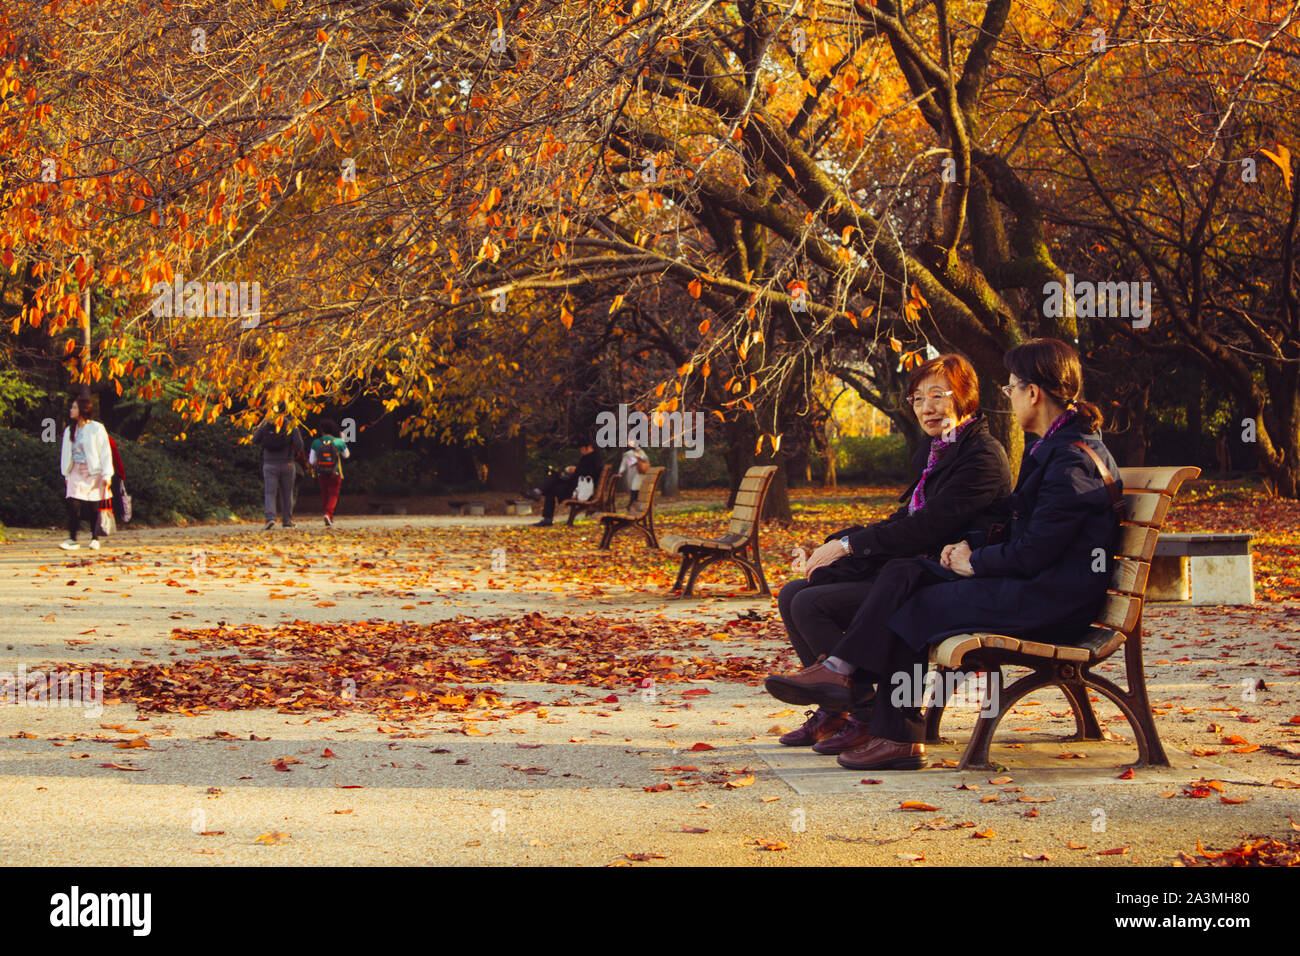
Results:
<point x="361" y="64"/>
<point x="1282" y="159"/>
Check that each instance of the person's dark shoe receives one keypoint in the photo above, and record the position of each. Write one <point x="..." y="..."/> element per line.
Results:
<point x="881" y="754"/>
<point x="290" y="524"/>
<point x="820" y="724"/>
<point x="534" y="493"/>
<point x="543" y="523"/>
<point x="853" y="733"/>
<point x="817" y="684"/>
<point x="270" y="524"/>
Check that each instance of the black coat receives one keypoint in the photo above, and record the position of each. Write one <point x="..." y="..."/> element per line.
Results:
<point x="1047" y="581"/>
<point x="589" y="465"/>
<point x="961" y="494"/>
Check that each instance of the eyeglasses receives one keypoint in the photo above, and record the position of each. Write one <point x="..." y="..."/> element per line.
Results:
<point x="933" y="395"/>
<point x="1008" y="389"/>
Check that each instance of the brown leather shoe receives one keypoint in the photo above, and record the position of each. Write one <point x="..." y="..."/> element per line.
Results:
<point x="881" y="754"/>
<point x="852" y="734"/>
<point x="817" y="684"/>
<point x="820" y="725"/>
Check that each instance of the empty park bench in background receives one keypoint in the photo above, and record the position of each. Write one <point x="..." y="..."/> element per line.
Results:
<point x="1148" y="492"/>
<point x="642" y="517"/>
<point x="740" y="542"/>
<point x="1203" y="569"/>
<point x="467" y="507"/>
<point x="602" y="498"/>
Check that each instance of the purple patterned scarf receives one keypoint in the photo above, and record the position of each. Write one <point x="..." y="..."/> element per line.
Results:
<point x="937" y="447"/>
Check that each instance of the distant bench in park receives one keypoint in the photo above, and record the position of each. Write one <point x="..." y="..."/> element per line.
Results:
<point x="1203" y="569"/>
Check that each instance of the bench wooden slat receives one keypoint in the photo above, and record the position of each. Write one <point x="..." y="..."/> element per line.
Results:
<point x="1146" y="508"/>
<point x="1137" y="542"/>
<point x="1166" y="479"/>
<point x="1129" y="576"/>
<point x="1120" y="612"/>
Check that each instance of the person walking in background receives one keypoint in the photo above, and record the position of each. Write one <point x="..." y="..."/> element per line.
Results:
<point x="280" y="446"/>
<point x="635" y="463"/>
<point x="327" y="454"/>
<point x="86" y="462"/>
<point x="118" y="484"/>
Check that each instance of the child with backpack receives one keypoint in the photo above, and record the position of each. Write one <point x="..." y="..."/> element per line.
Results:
<point x="327" y="454"/>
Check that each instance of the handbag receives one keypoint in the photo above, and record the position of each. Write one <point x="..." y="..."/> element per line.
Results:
<point x="107" y="523"/>
<point x="126" y="505"/>
<point x="642" y="465"/>
<point x="585" y="489"/>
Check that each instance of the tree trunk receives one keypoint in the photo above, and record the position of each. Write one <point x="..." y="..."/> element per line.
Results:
<point x="1002" y="422"/>
<point x="741" y="456"/>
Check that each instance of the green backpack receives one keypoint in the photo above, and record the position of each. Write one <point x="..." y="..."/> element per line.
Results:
<point x="327" y="457"/>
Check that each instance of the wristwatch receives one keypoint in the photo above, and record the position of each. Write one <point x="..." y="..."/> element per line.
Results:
<point x="848" y="548"/>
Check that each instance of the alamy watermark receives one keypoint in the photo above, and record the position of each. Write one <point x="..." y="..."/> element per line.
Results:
<point x="657" y="430"/>
<point x="54" y="688"/>
<point x="1127" y="300"/>
<point x="922" y="688"/>
<point x="208" y="299"/>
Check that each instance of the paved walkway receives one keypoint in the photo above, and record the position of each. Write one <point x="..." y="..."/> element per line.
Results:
<point x="580" y="778"/>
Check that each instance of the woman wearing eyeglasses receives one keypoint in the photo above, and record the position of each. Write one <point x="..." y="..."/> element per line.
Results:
<point x="1043" y="583"/>
<point x="963" y="472"/>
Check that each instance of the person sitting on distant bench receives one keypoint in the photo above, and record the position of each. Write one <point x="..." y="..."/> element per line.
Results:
<point x="560" y="485"/>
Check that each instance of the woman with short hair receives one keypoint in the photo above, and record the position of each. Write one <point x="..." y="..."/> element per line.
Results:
<point x="963" y="472"/>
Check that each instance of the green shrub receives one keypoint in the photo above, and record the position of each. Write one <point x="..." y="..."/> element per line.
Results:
<point x="397" y="473"/>
<point x="877" y="458"/>
<point x="31" y="487"/>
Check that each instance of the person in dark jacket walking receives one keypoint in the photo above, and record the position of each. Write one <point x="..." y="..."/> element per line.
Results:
<point x="963" y="473"/>
<point x="560" y="486"/>
<point x="280" y="447"/>
<point x="1045" y="582"/>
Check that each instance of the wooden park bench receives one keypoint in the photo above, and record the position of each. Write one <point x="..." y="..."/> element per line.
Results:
<point x="740" y="542"/>
<point x="642" y="517"/>
<point x="601" y="500"/>
<point x="1148" y="492"/>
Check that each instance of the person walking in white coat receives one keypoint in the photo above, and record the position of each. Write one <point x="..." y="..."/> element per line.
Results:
<point x="630" y="467"/>
<point x="87" y="465"/>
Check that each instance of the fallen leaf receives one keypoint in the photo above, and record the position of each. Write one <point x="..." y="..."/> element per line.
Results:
<point x="917" y="805"/>
<point x="270" y="839"/>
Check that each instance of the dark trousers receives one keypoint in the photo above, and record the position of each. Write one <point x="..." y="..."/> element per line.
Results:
<point x="556" y="488"/>
<point x="79" y="511"/>
<point x="886" y="658"/>
<point x="277" y="479"/>
<point x="816" y="616"/>
<point x="329" y="493"/>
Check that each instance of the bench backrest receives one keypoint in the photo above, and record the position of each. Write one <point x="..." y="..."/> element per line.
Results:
<point x="603" y="499"/>
<point x="649" y="480"/>
<point x="1148" y="493"/>
<point x="748" y="509"/>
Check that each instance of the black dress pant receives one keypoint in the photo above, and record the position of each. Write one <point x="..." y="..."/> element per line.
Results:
<point x="887" y="659"/>
<point x="816" y="616"/>
<point x="556" y="488"/>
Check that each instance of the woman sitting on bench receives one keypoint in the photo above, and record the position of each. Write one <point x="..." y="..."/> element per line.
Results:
<point x="963" y="473"/>
<point x="1045" y="582"/>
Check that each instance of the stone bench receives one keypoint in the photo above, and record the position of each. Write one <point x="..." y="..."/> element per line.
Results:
<point x="1202" y="569"/>
<point x="467" y="507"/>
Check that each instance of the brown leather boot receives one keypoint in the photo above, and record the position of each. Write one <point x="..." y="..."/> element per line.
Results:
<point x="820" y="725"/>
<point x="852" y="734"/>
<point x="881" y="754"/>
<point x="817" y="684"/>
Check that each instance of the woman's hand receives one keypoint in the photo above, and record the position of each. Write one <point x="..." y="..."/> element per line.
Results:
<point x="956" y="557"/>
<point x="827" y="553"/>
